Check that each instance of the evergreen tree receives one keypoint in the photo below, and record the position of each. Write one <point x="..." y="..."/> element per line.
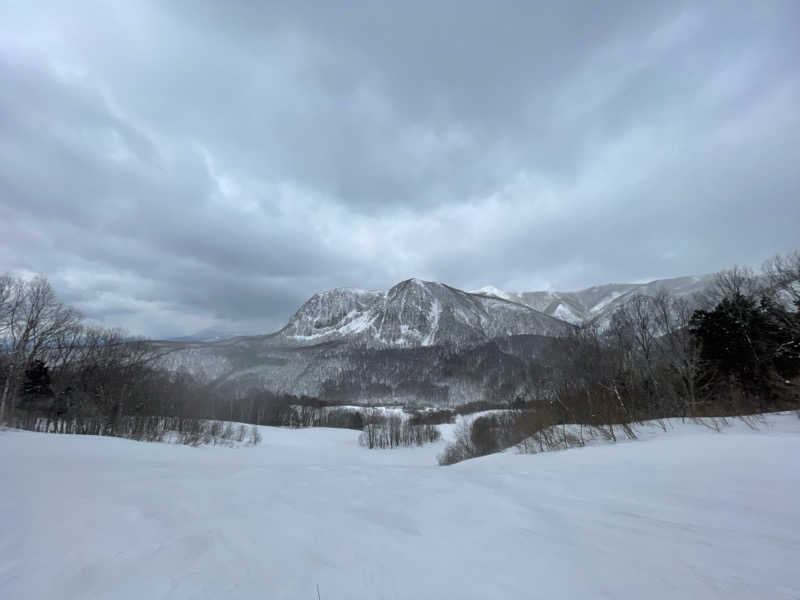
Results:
<point x="747" y="344"/>
<point x="36" y="389"/>
<point x="731" y="339"/>
<point x="783" y="329"/>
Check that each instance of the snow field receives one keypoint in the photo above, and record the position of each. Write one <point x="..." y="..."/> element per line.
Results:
<point x="689" y="514"/>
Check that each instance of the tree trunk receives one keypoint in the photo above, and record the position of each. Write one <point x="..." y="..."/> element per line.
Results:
<point x="3" y="403"/>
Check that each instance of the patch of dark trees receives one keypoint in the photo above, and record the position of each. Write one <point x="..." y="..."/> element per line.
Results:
<point x="437" y="375"/>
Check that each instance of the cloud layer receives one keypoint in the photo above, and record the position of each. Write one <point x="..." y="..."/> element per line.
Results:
<point x="173" y="166"/>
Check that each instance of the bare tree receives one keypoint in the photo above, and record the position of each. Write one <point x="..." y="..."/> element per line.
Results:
<point x="783" y="275"/>
<point x="32" y="322"/>
<point x="741" y="281"/>
<point x="678" y="349"/>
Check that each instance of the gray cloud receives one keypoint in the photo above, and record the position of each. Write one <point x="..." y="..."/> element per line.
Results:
<point x="177" y="165"/>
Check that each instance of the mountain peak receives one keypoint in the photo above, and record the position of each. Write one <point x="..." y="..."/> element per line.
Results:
<point x="412" y="313"/>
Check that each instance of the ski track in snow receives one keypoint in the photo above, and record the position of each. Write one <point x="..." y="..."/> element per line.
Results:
<point x="687" y="514"/>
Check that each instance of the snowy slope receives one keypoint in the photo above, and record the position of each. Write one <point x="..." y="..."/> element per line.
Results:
<point x="693" y="514"/>
<point x="490" y="290"/>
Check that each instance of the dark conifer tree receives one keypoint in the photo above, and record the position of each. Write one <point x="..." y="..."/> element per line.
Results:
<point x="36" y="386"/>
<point x="747" y="345"/>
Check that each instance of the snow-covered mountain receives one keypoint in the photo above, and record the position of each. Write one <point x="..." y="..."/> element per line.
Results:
<point x="419" y="341"/>
<point x="414" y="313"/>
<point x="597" y="303"/>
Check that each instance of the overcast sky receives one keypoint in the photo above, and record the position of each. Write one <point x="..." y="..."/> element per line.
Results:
<point x="172" y="166"/>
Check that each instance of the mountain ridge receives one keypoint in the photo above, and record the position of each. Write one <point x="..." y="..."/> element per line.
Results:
<point x="413" y="313"/>
<point x="345" y="305"/>
<point x="597" y="303"/>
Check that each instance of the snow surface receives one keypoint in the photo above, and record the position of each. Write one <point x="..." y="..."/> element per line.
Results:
<point x="605" y="302"/>
<point x="565" y="313"/>
<point x="690" y="514"/>
<point x="490" y="290"/>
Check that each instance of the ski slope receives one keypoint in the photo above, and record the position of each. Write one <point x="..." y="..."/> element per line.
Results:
<point x="688" y="514"/>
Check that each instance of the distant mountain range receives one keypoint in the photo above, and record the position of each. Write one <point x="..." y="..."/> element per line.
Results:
<point x="211" y="334"/>
<point x="599" y="302"/>
<point x="419" y="341"/>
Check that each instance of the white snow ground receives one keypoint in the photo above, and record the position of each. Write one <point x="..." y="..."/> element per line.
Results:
<point x="688" y="514"/>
